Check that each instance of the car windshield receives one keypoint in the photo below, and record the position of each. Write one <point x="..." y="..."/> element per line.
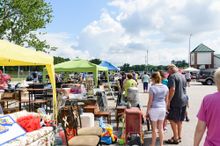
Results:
<point x="206" y="72"/>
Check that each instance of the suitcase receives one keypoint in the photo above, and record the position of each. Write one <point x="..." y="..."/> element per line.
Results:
<point x="133" y="122"/>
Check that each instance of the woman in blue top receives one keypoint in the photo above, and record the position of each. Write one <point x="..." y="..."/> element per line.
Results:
<point x="164" y="79"/>
<point x="156" y="108"/>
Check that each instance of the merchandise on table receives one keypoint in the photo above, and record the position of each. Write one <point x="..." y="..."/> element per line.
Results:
<point x="6" y="122"/>
<point x="3" y="129"/>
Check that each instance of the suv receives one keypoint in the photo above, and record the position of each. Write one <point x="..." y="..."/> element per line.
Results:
<point x="206" y="77"/>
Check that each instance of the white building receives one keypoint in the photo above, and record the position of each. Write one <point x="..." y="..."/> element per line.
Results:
<point x="216" y="60"/>
<point x="204" y="57"/>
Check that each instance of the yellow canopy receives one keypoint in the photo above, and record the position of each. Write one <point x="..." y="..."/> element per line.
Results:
<point x="14" y="55"/>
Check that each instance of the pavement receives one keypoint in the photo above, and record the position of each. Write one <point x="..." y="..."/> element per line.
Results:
<point x="196" y="92"/>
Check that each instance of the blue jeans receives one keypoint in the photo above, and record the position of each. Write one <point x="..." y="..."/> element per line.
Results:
<point x="145" y="84"/>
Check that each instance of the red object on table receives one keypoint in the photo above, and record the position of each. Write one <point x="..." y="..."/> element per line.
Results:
<point x="29" y="123"/>
<point x="133" y="121"/>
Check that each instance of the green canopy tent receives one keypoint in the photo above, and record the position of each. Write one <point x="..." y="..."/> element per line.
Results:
<point x="80" y="65"/>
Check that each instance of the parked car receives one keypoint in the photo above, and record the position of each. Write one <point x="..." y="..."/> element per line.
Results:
<point x="206" y="76"/>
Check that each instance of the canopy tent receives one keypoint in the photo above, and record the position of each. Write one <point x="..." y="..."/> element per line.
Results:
<point x="80" y="65"/>
<point x="14" y="55"/>
<point x="191" y="69"/>
<point x="110" y="66"/>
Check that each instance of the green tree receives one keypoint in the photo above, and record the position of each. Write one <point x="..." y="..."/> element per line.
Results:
<point x="20" y="20"/>
<point x="95" y="61"/>
<point x="60" y="60"/>
<point x="126" y="67"/>
<point x="180" y="63"/>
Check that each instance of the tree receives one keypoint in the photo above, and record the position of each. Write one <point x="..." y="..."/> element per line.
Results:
<point x="180" y="63"/>
<point x="20" y="20"/>
<point x="60" y="59"/>
<point x="95" y="61"/>
<point x="125" y="67"/>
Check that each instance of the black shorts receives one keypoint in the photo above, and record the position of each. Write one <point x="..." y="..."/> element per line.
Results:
<point x="177" y="113"/>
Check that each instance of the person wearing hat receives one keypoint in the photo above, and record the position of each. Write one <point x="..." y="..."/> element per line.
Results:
<point x="176" y="103"/>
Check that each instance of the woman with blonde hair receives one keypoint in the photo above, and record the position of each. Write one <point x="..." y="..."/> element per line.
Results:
<point x="209" y="117"/>
<point x="156" y="107"/>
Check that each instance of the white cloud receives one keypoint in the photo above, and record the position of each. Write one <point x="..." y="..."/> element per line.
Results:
<point x="100" y="35"/>
<point x="64" y="44"/>
<point x="162" y="26"/>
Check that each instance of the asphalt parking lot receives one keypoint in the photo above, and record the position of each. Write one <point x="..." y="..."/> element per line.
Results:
<point x="196" y="92"/>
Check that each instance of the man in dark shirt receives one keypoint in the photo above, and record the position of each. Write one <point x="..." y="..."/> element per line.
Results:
<point x="176" y="103"/>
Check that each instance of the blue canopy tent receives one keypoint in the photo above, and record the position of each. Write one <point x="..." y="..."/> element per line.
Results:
<point x="110" y="66"/>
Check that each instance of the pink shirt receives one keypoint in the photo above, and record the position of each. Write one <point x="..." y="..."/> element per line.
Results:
<point x="210" y="113"/>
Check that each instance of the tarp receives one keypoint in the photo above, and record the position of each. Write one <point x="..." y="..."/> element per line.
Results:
<point x="110" y="66"/>
<point x="191" y="69"/>
<point x="80" y="65"/>
<point x="14" y="55"/>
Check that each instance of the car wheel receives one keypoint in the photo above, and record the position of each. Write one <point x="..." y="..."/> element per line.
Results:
<point x="209" y="82"/>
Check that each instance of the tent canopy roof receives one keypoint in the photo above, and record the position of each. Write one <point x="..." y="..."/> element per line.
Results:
<point x="14" y="55"/>
<point x="191" y="69"/>
<point x="78" y="65"/>
<point x="110" y="66"/>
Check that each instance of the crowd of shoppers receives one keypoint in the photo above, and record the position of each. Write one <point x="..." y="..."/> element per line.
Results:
<point x="167" y="96"/>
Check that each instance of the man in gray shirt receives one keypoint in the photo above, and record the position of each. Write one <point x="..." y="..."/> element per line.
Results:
<point x="176" y="103"/>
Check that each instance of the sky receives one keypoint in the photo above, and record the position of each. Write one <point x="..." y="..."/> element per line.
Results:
<point x="121" y="31"/>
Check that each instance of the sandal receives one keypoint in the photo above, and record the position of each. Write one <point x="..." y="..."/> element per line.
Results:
<point x="180" y="139"/>
<point x="172" y="141"/>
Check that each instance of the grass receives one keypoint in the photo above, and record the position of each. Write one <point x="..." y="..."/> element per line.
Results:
<point x="14" y="76"/>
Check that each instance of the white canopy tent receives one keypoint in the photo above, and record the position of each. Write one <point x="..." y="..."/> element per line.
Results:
<point x="191" y="69"/>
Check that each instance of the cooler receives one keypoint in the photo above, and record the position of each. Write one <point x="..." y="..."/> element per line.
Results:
<point x="87" y="120"/>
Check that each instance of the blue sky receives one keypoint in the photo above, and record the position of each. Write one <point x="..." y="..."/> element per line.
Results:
<point x="73" y="15"/>
<point x="121" y="31"/>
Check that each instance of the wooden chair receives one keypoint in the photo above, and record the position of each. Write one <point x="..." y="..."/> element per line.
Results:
<point x="38" y="95"/>
<point x="74" y="107"/>
<point x="119" y="112"/>
<point x="9" y="98"/>
<point x="69" y="122"/>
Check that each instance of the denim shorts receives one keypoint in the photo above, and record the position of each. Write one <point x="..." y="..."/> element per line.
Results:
<point x="177" y="113"/>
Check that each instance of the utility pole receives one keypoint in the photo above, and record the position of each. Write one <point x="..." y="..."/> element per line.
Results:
<point x="147" y="57"/>
<point x="146" y="61"/>
<point x="190" y="35"/>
